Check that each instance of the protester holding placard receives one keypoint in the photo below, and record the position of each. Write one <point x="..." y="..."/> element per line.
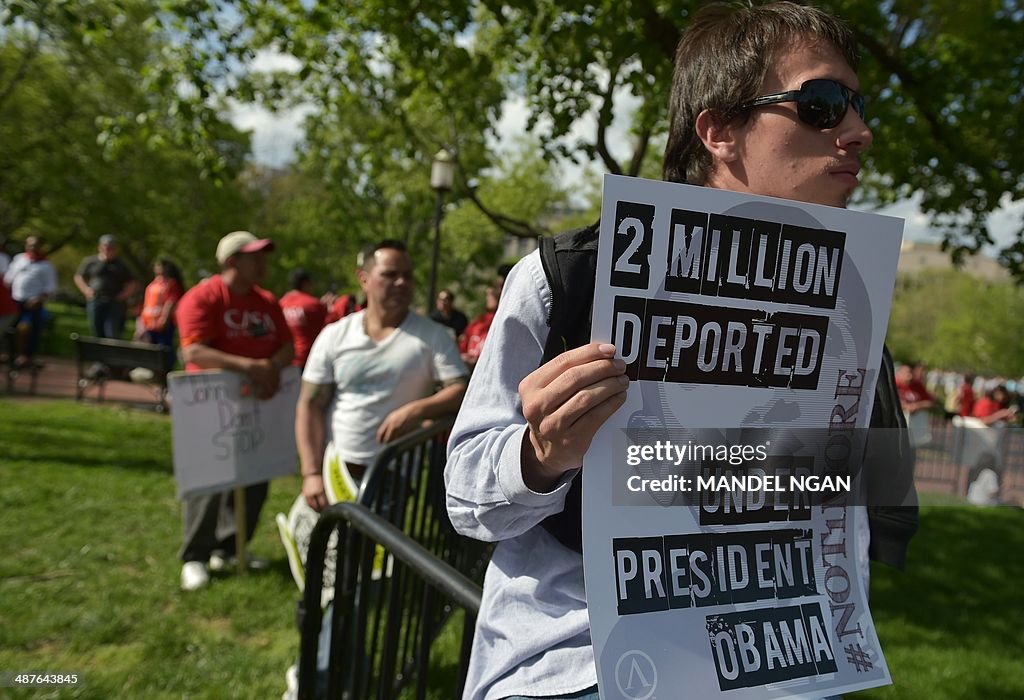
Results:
<point x="764" y="101"/>
<point x="229" y="322"/>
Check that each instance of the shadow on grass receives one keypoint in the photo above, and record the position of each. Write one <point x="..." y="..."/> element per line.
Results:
<point x="152" y="464"/>
<point x="69" y="434"/>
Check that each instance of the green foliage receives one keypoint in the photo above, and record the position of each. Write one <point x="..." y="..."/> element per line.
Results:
<point x="98" y="137"/>
<point x="111" y="114"/>
<point x="951" y="320"/>
<point x="391" y="83"/>
<point x="945" y="93"/>
<point x="525" y="189"/>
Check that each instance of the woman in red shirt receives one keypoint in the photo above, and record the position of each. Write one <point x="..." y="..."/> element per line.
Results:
<point x="995" y="407"/>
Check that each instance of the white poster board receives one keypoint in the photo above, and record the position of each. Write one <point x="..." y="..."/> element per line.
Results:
<point x="734" y="313"/>
<point x="224" y="437"/>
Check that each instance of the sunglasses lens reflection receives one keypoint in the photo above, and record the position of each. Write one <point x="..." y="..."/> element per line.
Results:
<point x="823" y="103"/>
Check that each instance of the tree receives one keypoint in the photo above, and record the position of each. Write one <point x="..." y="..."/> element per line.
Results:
<point x="97" y="142"/>
<point x="953" y="321"/>
<point x="321" y="226"/>
<point x="942" y="78"/>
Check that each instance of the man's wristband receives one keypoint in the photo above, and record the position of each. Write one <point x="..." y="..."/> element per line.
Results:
<point x="306" y="476"/>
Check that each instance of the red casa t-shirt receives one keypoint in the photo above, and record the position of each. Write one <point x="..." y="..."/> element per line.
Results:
<point x="305" y="316"/>
<point x="247" y="325"/>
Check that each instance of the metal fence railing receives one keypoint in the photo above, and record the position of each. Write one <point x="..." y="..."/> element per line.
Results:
<point x="959" y="449"/>
<point x="402" y="572"/>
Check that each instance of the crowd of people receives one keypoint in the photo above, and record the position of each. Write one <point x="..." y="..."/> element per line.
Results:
<point x="992" y="400"/>
<point x="110" y="291"/>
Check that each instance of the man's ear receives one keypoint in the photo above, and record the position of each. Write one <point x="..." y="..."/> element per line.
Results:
<point x="718" y="136"/>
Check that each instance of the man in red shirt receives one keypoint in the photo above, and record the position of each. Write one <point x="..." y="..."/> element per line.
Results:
<point x="304" y="313"/>
<point x="229" y="322"/>
<point x="471" y="342"/>
<point x="965" y="402"/>
<point x="914" y="396"/>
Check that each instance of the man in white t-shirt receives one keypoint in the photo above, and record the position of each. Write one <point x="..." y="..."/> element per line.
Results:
<point x="373" y="376"/>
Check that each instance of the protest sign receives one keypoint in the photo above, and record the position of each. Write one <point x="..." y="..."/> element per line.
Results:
<point x="723" y="554"/>
<point x="224" y="437"/>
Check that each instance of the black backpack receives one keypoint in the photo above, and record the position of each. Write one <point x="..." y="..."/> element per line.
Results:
<point x="570" y="264"/>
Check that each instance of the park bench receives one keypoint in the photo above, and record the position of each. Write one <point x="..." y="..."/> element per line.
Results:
<point x="117" y="358"/>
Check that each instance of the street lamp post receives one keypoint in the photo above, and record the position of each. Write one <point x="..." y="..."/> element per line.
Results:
<point x="442" y="175"/>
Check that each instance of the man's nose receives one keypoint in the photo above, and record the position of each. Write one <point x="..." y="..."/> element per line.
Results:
<point x="854" y="134"/>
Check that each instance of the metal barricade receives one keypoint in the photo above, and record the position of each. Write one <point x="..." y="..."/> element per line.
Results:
<point x="402" y="572"/>
<point x="959" y="449"/>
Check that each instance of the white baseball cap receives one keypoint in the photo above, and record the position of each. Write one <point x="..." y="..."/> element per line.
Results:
<point x="241" y="242"/>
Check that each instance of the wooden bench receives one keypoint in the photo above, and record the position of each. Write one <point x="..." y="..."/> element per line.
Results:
<point x="117" y="358"/>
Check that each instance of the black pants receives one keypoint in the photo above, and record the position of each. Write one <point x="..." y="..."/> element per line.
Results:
<point x="209" y="522"/>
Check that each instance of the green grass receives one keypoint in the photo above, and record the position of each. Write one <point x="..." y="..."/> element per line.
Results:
<point x="89" y="568"/>
<point x="952" y="624"/>
<point x="89" y="578"/>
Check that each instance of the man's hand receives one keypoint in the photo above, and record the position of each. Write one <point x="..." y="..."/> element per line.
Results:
<point x="565" y="401"/>
<point x="313" y="491"/>
<point x="89" y="293"/>
<point x="397" y="423"/>
<point x="265" y="377"/>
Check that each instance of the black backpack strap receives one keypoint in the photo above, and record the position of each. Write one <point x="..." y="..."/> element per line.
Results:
<point x="570" y="264"/>
<point x="891" y="474"/>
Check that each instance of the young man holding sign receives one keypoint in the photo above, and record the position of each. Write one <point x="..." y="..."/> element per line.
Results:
<point x="764" y="101"/>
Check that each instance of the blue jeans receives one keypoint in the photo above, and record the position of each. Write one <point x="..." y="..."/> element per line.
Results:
<point x="36" y="319"/>
<point x="106" y="317"/>
<point x="164" y="339"/>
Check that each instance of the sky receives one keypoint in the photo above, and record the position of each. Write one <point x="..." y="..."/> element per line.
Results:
<point x="275" y="135"/>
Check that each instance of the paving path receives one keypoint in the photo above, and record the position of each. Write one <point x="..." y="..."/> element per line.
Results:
<point x="59" y="379"/>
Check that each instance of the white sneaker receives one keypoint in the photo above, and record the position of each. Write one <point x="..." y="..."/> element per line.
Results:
<point x="291" y="681"/>
<point x="194" y="576"/>
<point x="141" y="375"/>
<point x="220" y="562"/>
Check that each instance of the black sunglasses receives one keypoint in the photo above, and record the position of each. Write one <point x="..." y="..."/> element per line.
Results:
<point x="820" y="103"/>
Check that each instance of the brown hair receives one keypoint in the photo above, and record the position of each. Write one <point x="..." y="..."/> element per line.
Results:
<point x="721" y="63"/>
